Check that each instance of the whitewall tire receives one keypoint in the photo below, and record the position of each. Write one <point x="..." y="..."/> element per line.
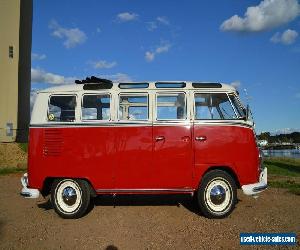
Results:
<point x="70" y="197"/>
<point x="217" y="194"/>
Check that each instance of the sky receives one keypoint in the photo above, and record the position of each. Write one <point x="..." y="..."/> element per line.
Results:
<point x="253" y="45"/>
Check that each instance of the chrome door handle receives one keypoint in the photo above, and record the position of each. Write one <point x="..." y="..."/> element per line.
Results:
<point x="200" y="138"/>
<point x="159" y="138"/>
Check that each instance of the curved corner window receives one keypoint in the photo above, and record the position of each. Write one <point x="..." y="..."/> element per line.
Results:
<point x="95" y="107"/>
<point x="213" y="106"/>
<point x="62" y="108"/>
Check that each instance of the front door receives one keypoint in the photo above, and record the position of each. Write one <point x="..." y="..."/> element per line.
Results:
<point x="172" y="144"/>
<point x="221" y="138"/>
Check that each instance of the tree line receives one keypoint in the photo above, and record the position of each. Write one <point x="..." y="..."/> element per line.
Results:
<point x="290" y="138"/>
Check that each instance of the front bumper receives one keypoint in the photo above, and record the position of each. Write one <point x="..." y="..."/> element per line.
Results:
<point x="255" y="188"/>
<point x="28" y="192"/>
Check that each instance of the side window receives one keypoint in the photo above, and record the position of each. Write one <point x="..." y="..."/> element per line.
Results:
<point x="133" y="107"/>
<point x="171" y="106"/>
<point x="62" y="108"/>
<point x="215" y="106"/>
<point x="96" y="107"/>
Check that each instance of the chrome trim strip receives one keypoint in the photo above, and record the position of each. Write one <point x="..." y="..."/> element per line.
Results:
<point x="92" y="124"/>
<point x="223" y="123"/>
<point x="146" y="123"/>
<point x="128" y="125"/>
<point x="146" y="190"/>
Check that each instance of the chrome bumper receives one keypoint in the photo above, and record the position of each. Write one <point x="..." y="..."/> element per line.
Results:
<point x="256" y="188"/>
<point x="28" y="192"/>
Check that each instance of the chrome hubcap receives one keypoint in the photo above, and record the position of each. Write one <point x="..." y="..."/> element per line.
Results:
<point x="69" y="196"/>
<point x="217" y="195"/>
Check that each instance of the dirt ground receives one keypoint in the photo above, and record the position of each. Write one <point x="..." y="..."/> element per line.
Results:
<point x="134" y="222"/>
<point x="11" y="155"/>
<point x="140" y="222"/>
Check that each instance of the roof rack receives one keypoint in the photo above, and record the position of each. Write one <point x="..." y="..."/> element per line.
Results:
<point x="94" y="83"/>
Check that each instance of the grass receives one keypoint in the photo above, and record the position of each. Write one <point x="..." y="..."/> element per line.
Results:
<point x="13" y="170"/>
<point x="292" y="186"/>
<point x="283" y="166"/>
<point x="6" y="171"/>
<point x="23" y="146"/>
<point x="287" y="167"/>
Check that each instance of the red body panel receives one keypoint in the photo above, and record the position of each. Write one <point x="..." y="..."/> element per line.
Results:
<point x="172" y="156"/>
<point x="85" y="152"/>
<point x="227" y="146"/>
<point x="129" y="157"/>
<point x="133" y="156"/>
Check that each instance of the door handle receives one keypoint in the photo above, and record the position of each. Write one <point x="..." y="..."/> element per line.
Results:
<point x="159" y="138"/>
<point x="200" y="138"/>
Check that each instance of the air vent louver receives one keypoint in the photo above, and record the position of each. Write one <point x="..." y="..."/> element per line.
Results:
<point x="53" y="142"/>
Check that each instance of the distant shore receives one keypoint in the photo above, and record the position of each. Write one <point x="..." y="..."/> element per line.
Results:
<point x="278" y="147"/>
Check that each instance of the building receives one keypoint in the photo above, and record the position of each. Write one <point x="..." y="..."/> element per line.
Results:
<point x="262" y="143"/>
<point x="15" y="67"/>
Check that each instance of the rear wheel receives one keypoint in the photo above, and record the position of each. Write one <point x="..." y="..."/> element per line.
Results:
<point x="70" y="197"/>
<point x="217" y="194"/>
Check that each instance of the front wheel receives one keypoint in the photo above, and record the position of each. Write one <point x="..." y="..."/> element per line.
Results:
<point x="217" y="194"/>
<point x="70" y="197"/>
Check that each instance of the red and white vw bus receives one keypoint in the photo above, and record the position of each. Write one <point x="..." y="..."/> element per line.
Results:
<point x="98" y="137"/>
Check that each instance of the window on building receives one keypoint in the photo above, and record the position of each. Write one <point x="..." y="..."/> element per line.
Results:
<point x="171" y="106"/>
<point x="133" y="107"/>
<point x="11" y="51"/>
<point x="62" y="108"/>
<point x="96" y="107"/>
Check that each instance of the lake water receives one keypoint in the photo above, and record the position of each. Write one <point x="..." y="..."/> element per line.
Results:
<point x="291" y="153"/>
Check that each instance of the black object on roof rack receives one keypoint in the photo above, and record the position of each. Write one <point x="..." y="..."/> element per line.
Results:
<point x="94" y="83"/>
<point x="206" y="85"/>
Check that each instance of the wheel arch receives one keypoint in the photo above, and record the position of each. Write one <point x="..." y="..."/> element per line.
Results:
<point x="229" y="170"/>
<point x="46" y="190"/>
